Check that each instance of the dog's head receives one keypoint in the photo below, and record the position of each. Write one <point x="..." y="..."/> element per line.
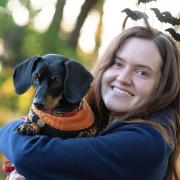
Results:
<point x="60" y="83"/>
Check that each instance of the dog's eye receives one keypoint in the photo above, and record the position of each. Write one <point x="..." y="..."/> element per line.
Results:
<point x="56" y="80"/>
<point x="53" y="78"/>
<point x="37" y="77"/>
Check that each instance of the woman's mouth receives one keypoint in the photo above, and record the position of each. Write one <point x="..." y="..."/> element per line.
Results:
<point x="122" y="91"/>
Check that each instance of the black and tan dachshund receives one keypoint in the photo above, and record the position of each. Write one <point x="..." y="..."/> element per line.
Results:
<point x="60" y="85"/>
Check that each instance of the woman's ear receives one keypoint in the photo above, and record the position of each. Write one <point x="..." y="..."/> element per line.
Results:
<point x="77" y="81"/>
<point x="22" y="76"/>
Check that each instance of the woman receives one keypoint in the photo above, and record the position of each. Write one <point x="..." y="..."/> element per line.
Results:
<point x="135" y="99"/>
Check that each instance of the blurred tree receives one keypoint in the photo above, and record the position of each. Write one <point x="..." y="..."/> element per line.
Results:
<point x="13" y="45"/>
<point x="52" y="34"/>
<point x="85" y="9"/>
<point x="92" y="56"/>
<point x="3" y="3"/>
<point x="99" y="7"/>
<point x="55" y="25"/>
<point x="12" y="37"/>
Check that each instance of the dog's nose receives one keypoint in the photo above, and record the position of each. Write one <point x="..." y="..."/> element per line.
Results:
<point x="39" y="106"/>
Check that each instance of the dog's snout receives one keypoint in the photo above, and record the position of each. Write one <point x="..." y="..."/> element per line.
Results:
<point x="39" y="102"/>
<point x="39" y="106"/>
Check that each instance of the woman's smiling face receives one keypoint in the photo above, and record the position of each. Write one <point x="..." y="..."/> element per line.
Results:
<point x="134" y="75"/>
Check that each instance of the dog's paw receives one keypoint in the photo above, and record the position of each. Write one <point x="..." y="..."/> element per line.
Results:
<point x="84" y="134"/>
<point x="28" y="129"/>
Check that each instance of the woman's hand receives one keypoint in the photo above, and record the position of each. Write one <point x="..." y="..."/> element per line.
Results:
<point x="14" y="175"/>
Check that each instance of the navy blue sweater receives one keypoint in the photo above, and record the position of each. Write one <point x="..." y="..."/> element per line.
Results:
<point x="123" y="151"/>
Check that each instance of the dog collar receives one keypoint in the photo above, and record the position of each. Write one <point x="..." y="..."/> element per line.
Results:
<point x="67" y="114"/>
<point x="82" y="119"/>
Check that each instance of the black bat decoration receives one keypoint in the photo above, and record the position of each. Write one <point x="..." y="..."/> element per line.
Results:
<point x="173" y="33"/>
<point x="166" y="14"/>
<point x="134" y="15"/>
<point x="158" y="14"/>
<point x="166" y="17"/>
<point x="170" y="19"/>
<point x="144" y="1"/>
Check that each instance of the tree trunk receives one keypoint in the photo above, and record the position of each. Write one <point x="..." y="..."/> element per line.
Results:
<point x="52" y="35"/>
<point x="57" y="16"/>
<point x="99" y="27"/>
<point x="85" y="9"/>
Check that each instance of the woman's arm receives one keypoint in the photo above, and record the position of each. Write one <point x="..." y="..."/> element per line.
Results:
<point x="128" y="151"/>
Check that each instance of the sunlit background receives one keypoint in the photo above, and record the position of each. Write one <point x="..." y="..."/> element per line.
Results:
<point x="27" y="28"/>
<point x="112" y="17"/>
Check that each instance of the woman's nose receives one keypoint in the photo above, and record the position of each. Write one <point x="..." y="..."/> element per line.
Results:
<point x="124" y="76"/>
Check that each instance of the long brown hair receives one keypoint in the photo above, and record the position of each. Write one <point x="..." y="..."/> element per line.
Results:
<point x="166" y="95"/>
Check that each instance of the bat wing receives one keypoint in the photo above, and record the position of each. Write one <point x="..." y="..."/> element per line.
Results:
<point x="174" y="34"/>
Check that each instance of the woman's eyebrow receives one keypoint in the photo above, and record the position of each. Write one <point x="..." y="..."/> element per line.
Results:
<point x="145" y="67"/>
<point x="117" y="57"/>
<point x="137" y="65"/>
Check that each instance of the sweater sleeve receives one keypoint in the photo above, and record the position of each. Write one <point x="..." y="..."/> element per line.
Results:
<point x="133" y="151"/>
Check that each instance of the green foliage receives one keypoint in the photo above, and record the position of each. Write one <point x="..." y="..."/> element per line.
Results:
<point x="3" y="3"/>
<point x="7" y="95"/>
<point x="3" y="76"/>
<point x="20" y="43"/>
<point x="32" y="43"/>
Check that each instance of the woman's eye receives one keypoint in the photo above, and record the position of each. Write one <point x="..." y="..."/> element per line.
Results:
<point x="117" y="64"/>
<point x="142" y="73"/>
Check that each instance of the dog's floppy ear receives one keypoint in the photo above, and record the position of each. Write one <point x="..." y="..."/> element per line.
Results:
<point x="22" y="74"/>
<point x="77" y="81"/>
